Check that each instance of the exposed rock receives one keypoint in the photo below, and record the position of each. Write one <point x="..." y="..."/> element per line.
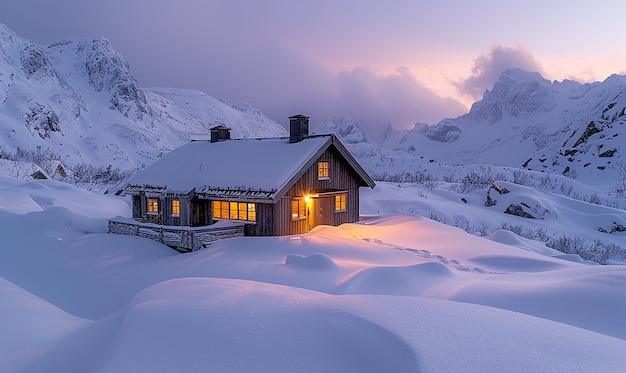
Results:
<point x="443" y="133"/>
<point x="518" y="210"/>
<point x="589" y="131"/>
<point x="490" y="201"/>
<point x="499" y="188"/>
<point x="608" y="153"/>
<point x="616" y="228"/>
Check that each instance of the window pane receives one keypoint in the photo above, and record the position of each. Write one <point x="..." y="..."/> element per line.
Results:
<point x="251" y="211"/>
<point x="175" y="207"/>
<point x="322" y="170"/>
<point x="242" y="210"/>
<point x="294" y="209"/>
<point x="340" y="202"/>
<point x="217" y="213"/>
<point x="224" y="207"/>
<point x="233" y="211"/>
<point x="153" y="205"/>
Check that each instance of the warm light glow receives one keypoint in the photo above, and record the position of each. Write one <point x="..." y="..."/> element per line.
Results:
<point x="175" y="207"/>
<point x="153" y="205"/>
<point x="298" y="209"/>
<point x="323" y="170"/>
<point x="307" y="198"/>
<point x="234" y="210"/>
<point x="340" y="202"/>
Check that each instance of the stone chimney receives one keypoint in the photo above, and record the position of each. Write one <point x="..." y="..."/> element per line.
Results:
<point x="220" y="133"/>
<point x="298" y="128"/>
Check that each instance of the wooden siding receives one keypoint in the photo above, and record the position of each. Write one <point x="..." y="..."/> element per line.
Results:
<point x="265" y="220"/>
<point x="165" y="216"/>
<point x="275" y="219"/>
<point x="342" y="178"/>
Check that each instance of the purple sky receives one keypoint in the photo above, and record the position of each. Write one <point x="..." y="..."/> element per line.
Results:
<point x="413" y="61"/>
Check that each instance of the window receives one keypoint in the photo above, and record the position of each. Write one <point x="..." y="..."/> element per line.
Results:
<point x="298" y="209"/>
<point x="223" y="208"/>
<point x="175" y="207"/>
<point x="234" y="210"/>
<point x="340" y="202"/>
<point x="153" y="205"/>
<point x="322" y="170"/>
<point x="251" y="212"/>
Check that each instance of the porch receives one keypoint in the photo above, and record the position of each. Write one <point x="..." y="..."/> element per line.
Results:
<point x="181" y="238"/>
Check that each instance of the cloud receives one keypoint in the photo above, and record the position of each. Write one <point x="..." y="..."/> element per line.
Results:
<point x="488" y="68"/>
<point x="398" y="98"/>
<point x="282" y="81"/>
<point x="267" y="55"/>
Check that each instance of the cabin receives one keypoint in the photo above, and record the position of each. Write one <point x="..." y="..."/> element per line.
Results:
<point x="268" y="186"/>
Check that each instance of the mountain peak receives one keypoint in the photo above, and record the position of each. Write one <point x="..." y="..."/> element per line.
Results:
<point x="516" y="74"/>
<point x="76" y="100"/>
<point x="517" y="93"/>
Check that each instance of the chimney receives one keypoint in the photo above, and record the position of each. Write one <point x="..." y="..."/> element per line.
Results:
<point x="298" y="128"/>
<point x="220" y="133"/>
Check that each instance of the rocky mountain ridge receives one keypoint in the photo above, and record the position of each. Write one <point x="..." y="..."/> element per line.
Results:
<point x="78" y="100"/>
<point x="525" y="121"/>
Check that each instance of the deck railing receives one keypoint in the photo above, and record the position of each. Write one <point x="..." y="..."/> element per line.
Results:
<point x="183" y="239"/>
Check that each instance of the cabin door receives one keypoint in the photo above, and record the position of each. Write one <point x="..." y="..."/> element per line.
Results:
<point x="199" y="212"/>
<point x="321" y="212"/>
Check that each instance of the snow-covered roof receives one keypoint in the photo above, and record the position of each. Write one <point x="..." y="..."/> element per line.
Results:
<point x="22" y="170"/>
<point x="258" y="168"/>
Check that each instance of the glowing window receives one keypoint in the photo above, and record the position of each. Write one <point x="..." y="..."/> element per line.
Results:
<point x="298" y="209"/>
<point x="153" y="205"/>
<point x="251" y="212"/>
<point x="234" y="210"/>
<point x="224" y="209"/>
<point x="175" y="207"/>
<point x="217" y="212"/>
<point x="322" y="170"/>
<point x="340" y="202"/>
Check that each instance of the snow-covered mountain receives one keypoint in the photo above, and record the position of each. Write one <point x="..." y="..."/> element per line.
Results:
<point x="529" y="122"/>
<point x="352" y="132"/>
<point x="526" y="122"/>
<point x="78" y="100"/>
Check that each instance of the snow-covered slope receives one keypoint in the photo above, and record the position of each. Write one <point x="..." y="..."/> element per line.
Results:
<point x="78" y="99"/>
<point x="397" y="293"/>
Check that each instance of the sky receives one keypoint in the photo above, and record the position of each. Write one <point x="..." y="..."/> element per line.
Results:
<point x="377" y="62"/>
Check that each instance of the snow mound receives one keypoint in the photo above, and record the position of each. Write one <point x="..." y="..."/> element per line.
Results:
<point x="401" y="280"/>
<point x="234" y="326"/>
<point x="17" y="202"/>
<point x="33" y="324"/>
<point x="512" y="239"/>
<point x="225" y="325"/>
<point x="312" y="262"/>
<point x="511" y="263"/>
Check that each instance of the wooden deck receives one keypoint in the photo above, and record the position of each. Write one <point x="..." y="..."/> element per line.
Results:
<point x="183" y="239"/>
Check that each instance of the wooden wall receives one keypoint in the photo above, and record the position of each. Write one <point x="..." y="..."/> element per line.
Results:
<point x="341" y="178"/>
<point x="164" y="217"/>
